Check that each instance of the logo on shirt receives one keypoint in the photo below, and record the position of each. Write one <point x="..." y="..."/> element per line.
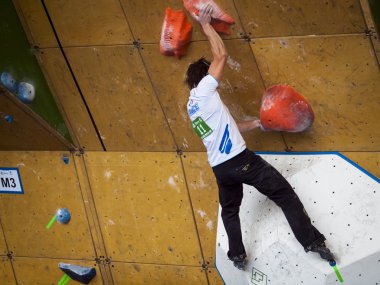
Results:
<point x="193" y="108"/>
<point x="226" y="143"/>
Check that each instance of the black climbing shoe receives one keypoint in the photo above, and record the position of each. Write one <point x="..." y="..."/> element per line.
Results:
<point x="323" y="251"/>
<point x="239" y="260"/>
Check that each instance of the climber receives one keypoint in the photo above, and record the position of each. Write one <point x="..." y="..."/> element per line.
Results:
<point x="232" y="163"/>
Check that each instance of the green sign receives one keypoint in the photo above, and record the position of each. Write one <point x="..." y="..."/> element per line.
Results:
<point x="201" y="128"/>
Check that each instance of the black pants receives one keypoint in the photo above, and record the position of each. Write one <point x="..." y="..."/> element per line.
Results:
<point x="251" y="169"/>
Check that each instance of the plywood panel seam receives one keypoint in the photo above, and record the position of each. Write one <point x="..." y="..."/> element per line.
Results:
<point x="159" y="264"/>
<point x="285" y="143"/>
<point x="23" y="21"/>
<point x="90" y="210"/>
<point x="9" y="253"/>
<point x="244" y="35"/>
<point x="91" y="214"/>
<point x="92" y="46"/>
<point x="258" y="68"/>
<point x="158" y="100"/>
<point x="126" y="19"/>
<point x="37" y="119"/>
<point x="59" y="104"/>
<point x="136" y="151"/>
<point x="54" y="258"/>
<point x="3" y="234"/>
<point x="249" y="40"/>
<point x="310" y="36"/>
<point x="242" y="38"/>
<point x="28" y="30"/>
<point x="359" y="151"/>
<point x="72" y="73"/>
<point x="367" y="15"/>
<point x="204" y="265"/>
<point x="150" y="79"/>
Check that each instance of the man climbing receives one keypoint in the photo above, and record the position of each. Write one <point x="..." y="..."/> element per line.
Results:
<point x="232" y="163"/>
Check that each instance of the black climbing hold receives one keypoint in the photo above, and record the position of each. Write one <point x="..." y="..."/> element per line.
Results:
<point x="78" y="273"/>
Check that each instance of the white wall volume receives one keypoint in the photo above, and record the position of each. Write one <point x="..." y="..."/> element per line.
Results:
<point x="342" y="201"/>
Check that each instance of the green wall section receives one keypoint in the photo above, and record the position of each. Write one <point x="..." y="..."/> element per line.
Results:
<point x="17" y="58"/>
<point x="375" y="9"/>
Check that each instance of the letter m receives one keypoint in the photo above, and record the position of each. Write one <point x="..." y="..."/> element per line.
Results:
<point x="5" y="182"/>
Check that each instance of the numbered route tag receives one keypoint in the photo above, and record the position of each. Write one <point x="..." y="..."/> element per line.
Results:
<point x="10" y="181"/>
<point x="201" y="128"/>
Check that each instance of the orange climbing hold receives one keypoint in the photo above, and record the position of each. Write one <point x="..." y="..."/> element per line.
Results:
<point x="284" y="109"/>
<point x="176" y="33"/>
<point x="220" y="20"/>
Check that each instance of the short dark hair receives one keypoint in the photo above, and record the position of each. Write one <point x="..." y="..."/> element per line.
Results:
<point x="196" y="71"/>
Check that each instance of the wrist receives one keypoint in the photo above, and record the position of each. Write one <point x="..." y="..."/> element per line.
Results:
<point x="205" y="25"/>
<point x="258" y="123"/>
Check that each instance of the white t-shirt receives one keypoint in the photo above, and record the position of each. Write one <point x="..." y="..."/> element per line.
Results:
<point x="213" y="122"/>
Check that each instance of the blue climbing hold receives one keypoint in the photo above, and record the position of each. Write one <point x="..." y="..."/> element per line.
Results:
<point x="8" y="81"/>
<point x="8" y="118"/>
<point x="63" y="216"/>
<point x="26" y="92"/>
<point x="65" y="159"/>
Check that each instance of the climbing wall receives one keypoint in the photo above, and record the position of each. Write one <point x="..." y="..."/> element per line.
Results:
<point x="341" y="200"/>
<point x="22" y="129"/>
<point x="19" y="63"/>
<point x="142" y="197"/>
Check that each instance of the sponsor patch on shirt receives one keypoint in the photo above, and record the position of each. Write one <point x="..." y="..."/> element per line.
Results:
<point x="201" y="128"/>
<point x="193" y="109"/>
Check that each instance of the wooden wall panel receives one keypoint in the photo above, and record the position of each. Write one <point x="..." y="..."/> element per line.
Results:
<point x="262" y="18"/>
<point x="167" y="74"/>
<point x="371" y="28"/>
<point x="146" y="274"/>
<point x="3" y="245"/>
<point x="370" y="161"/>
<point x="68" y="97"/>
<point x="49" y="184"/>
<point x="25" y="132"/>
<point x="121" y="98"/>
<point x="340" y="78"/>
<point x="241" y="90"/>
<point x="205" y="200"/>
<point x="18" y="59"/>
<point x="6" y="273"/>
<point x="214" y="277"/>
<point x="88" y="22"/>
<point x="143" y="207"/>
<point x="42" y="271"/>
<point x="36" y="23"/>
<point x="154" y="12"/>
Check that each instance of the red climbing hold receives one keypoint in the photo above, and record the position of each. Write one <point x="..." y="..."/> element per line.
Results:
<point x="176" y="33"/>
<point x="220" y="20"/>
<point x="284" y="109"/>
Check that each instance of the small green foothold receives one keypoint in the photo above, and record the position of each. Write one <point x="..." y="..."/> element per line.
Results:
<point x="338" y="274"/>
<point x="65" y="278"/>
<point x="66" y="281"/>
<point x="48" y="226"/>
